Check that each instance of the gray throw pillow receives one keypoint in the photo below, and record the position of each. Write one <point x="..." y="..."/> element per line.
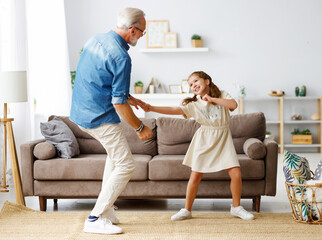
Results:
<point x="59" y="134"/>
<point x="318" y="171"/>
<point x="254" y="148"/>
<point x="44" y="151"/>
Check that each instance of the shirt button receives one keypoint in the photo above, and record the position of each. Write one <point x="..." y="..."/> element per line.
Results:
<point x="124" y="94"/>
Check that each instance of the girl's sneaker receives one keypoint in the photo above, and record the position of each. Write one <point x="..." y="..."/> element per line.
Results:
<point x="241" y="213"/>
<point x="181" y="215"/>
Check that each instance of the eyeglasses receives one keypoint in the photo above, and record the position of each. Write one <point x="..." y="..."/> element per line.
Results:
<point x="143" y="32"/>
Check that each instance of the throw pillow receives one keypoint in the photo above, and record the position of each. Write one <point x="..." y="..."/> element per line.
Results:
<point x="317" y="172"/>
<point x="296" y="168"/>
<point x="59" y="134"/>
<point x="254" y="148"/>
<point x="44" y="151"/>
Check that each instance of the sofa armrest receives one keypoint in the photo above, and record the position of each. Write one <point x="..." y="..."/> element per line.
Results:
<point x="271" y="167"/>
<point x="27" y="166"/>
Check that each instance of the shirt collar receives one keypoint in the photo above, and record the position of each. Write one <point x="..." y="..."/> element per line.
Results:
<point x="120" y="40"/>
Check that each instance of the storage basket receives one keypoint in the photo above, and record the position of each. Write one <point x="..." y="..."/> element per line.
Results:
<point x="306" y="206"/>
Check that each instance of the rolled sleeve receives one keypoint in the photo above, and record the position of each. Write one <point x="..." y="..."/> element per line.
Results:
<point x="121" y="81"/>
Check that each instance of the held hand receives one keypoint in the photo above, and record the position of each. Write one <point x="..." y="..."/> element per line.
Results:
<point x="145" y="134"/>
<point x="135" y="102"/>
<point x="147" y="108"/>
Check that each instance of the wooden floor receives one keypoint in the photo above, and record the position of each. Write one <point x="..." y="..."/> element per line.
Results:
<point x="279" y="203"/>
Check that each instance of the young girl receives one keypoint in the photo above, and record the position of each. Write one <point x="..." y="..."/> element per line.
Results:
<point x="211" y="148"/>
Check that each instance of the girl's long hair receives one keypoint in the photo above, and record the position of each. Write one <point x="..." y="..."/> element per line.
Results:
<point x="213" y="89"/>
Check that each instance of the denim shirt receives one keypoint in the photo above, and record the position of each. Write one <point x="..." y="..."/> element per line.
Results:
<point x="102" y="79"/>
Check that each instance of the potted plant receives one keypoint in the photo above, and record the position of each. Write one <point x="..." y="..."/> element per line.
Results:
<point x="138" y="87"/>
<point x="301" y="137"/>
<point x="196" y="41"/>
<point x="269" y="135"/>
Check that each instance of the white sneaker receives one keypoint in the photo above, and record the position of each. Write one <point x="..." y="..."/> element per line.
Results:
<point x="111" y="215"/>
<point x="241" y="213"/>
<point x="181" y="215"/>
<point x="101" y="225"/>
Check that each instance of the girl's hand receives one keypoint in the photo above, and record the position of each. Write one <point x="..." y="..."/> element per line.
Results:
<point x="147" y="108"/>
<point x="207" y="98"/>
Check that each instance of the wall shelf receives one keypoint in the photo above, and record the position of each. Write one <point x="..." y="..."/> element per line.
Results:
<point x="173" y="50"/>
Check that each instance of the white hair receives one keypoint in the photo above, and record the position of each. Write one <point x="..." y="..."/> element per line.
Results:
<point x="129" y="17"/>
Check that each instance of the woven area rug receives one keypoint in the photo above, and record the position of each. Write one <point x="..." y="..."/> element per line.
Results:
<point x="19" y="222"/>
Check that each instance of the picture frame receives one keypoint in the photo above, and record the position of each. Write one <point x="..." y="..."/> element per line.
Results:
<point x="175" y="88"/>
<point x="155" y="30"/>
<point x="185" y="88"/>
<point x="170" y="40"/>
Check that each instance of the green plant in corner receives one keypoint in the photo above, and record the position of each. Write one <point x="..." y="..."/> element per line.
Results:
<point x="72" y="78"/>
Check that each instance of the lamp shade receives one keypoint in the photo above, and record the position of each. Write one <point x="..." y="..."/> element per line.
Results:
<point x="13" y="86"/>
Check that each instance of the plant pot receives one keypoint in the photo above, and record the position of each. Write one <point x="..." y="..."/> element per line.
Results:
<point x="301" y="139"/>
<point x="138" y="89"/>
<point x="196" y="43"/>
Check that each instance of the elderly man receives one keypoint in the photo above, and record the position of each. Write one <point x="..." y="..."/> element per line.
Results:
<point x="101" y="92"/>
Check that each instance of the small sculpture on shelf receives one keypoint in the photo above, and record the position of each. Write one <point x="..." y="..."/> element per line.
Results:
<point x="296" y="117"/>
<point x="302" y="92"/>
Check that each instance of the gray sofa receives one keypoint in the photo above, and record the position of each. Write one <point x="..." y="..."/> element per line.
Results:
<point x="159" y="171"/>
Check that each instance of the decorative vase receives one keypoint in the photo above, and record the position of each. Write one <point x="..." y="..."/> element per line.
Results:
<point x="196" y="43"/>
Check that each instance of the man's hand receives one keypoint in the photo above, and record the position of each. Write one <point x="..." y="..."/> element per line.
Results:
<point x="145" y="134"/>
<point x="136" y="102"/>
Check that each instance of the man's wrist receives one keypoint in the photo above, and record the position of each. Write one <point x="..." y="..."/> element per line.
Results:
<point x="140" y="128"/>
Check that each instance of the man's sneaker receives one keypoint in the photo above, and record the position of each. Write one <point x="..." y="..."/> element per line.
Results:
<point x="181" y="215"/>
<point x="111" y="215"/>
<point x="101" y="225"/>
<point x="241" y="213"/>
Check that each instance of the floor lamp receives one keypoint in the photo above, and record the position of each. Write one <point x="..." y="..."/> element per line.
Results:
<point x="13" y="88"/>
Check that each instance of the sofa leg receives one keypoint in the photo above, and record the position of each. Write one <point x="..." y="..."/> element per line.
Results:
<point x="42" y="203"/>
<point x="55" y="200"/>
<point x="256" y="203"/>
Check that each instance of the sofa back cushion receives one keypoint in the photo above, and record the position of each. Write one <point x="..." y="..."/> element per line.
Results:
<point x="87" y="144"/>
<point x="174" y="135"/>
<point x="245" y="126"/>
<point x="138" y="146"/>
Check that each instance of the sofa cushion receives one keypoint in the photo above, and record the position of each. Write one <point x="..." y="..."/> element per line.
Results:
<point x="245" y="126"/>
<point x="169" y="167"/>
<point x="44" y="150"/>
<point x="84" y="167"/>
<point x="254" y="148"/>
<point x="174" y="135"/>
<point x="60" y="135"/>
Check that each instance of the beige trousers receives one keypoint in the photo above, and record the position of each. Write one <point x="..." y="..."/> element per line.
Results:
<point x="119" y="165"/>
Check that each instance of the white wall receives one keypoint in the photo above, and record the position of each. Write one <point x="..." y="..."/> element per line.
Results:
<point x="262" y="44"/>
